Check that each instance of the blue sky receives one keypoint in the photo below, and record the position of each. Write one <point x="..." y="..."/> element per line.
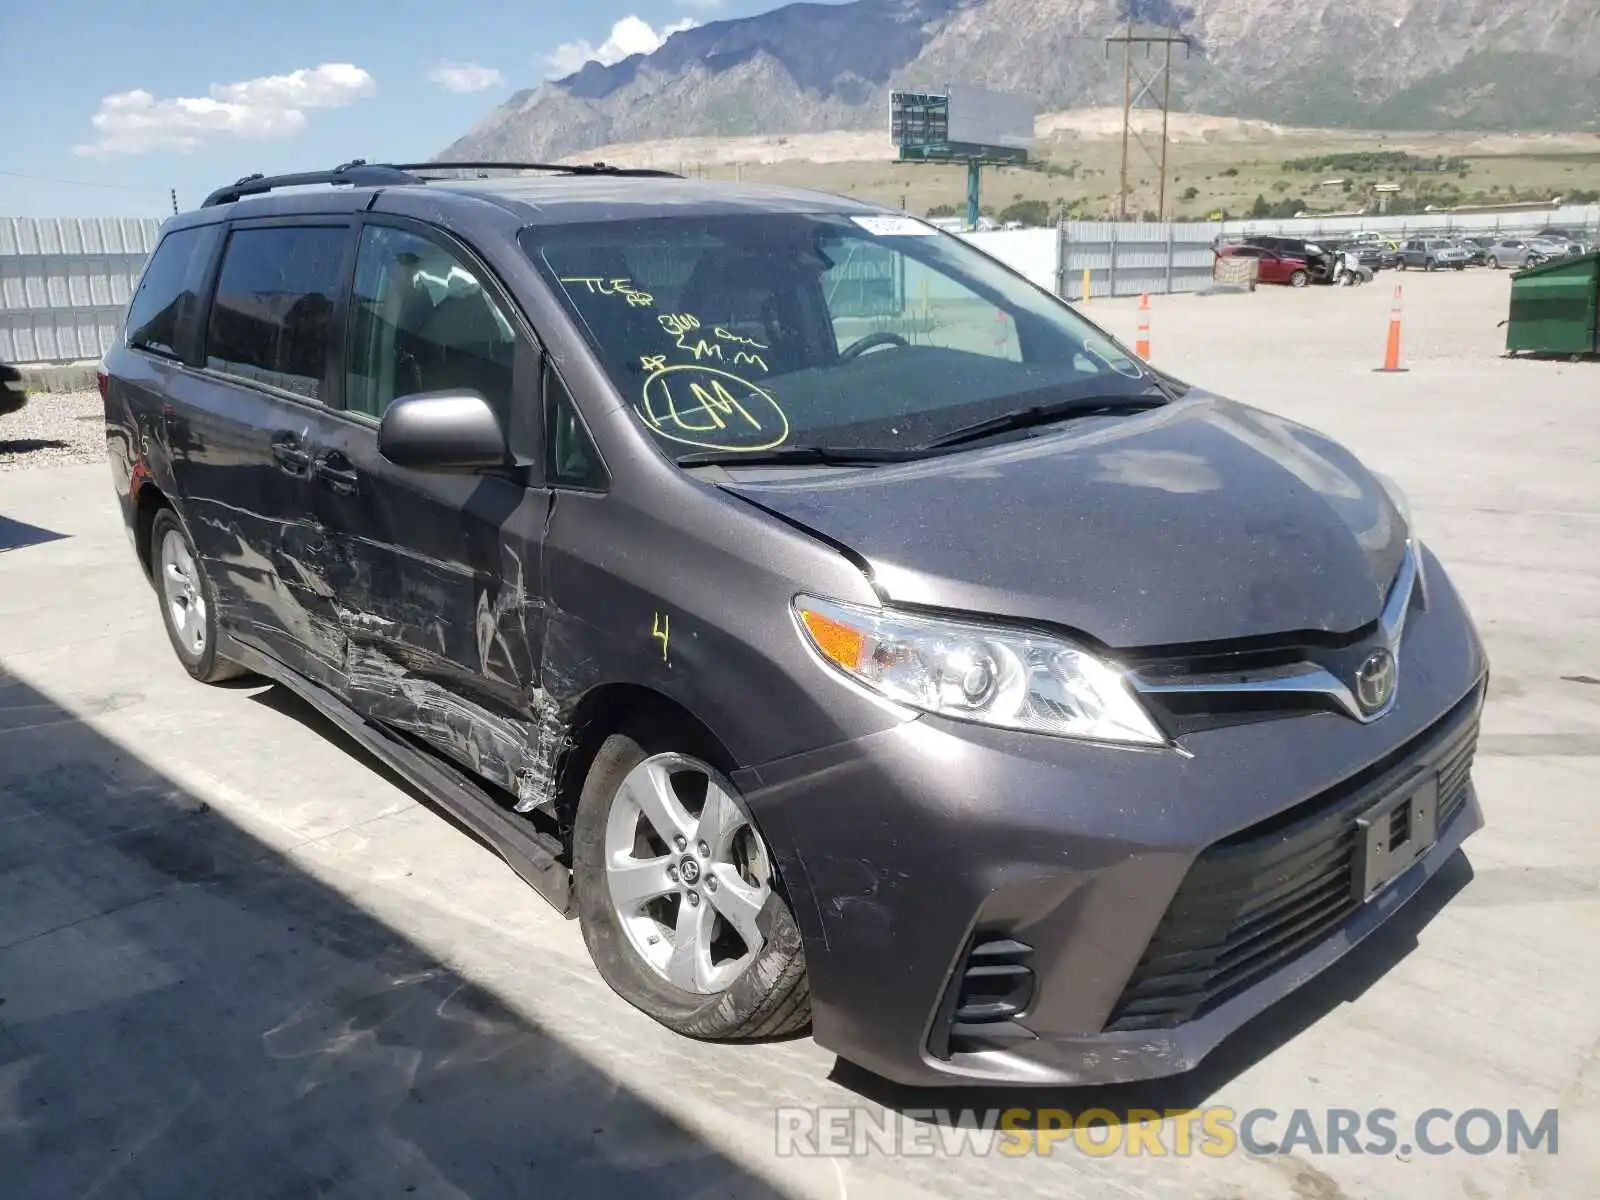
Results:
<point x="111" y="103"/>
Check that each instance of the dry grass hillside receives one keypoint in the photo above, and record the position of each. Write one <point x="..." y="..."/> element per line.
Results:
<point x="1215" y="163"/>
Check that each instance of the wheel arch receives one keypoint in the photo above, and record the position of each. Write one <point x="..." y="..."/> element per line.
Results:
<point x="149" y="501"/>
<point x="609" y="708"/>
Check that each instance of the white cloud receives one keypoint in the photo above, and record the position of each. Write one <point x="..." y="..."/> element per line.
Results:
<point x="272" y="106"/>
<point x="465" y="77"/>
<point x="629" y="36"/>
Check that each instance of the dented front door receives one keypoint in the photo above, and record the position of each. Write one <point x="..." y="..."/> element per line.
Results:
<point x="436" y="576"/>
<point x="436" y="585"/>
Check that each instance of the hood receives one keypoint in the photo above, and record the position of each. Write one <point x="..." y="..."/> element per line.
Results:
<point x="1199" y="521"/>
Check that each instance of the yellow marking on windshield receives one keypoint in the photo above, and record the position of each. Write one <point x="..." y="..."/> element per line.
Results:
<point x="661" y="630"/>
<point x="600" y="286"/>
<point x="653" y="362"/>
<point x="712" y="409"/>
<point x="679" y="326"/>
<point x="744" y="356"/>
<point x="726" y="336"/>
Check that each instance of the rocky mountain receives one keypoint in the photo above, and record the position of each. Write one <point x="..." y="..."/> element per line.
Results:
<point x="1393" y="64"/>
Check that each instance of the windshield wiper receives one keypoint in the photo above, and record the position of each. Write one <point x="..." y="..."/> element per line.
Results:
<point x="1045" y="414"/>
<point x="828" y="456"/>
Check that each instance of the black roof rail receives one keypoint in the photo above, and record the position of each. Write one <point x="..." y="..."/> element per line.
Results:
<point x="598" y="168"/>
<point x="357" y="173"/>
<point x="360" y="173"/>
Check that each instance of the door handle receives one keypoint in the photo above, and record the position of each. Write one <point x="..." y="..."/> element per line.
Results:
<point x="286" y="452"/>
<point x="334" y="469"/>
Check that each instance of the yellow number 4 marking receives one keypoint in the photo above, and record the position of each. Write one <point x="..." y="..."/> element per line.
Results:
<point x="660" y="630"/>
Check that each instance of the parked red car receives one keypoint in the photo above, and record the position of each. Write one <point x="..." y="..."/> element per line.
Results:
<point x="1275" y="267"/>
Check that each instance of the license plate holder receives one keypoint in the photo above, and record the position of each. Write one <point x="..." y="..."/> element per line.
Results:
<point x="1394" y="833"/>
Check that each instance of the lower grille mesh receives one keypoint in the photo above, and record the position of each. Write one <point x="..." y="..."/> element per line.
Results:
<point x="1250" y="904"/>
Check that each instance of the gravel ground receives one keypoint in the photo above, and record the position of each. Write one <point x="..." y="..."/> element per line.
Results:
<point x="53" y="428"/>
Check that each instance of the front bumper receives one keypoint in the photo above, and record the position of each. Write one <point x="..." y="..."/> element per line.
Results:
<point x="904" y="851"/>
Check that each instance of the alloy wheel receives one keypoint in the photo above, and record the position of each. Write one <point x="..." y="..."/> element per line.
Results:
<point x="181" y="589"/>
<point x="687" y="873"/>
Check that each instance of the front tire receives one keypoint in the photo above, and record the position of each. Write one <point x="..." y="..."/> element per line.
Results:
<point x="1299" y="279"/>
<point x="678" y="896"/>
<point x="188" y="604"/>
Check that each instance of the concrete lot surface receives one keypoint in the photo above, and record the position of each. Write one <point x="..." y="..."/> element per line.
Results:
<point x="239" y="959"/>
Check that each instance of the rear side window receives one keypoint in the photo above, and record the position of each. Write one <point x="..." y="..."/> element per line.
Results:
<point x="169" y="290"/>
<point x="273" y="311"/>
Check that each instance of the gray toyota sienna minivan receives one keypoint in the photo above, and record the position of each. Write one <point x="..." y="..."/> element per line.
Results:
<point x="842" y="628"/>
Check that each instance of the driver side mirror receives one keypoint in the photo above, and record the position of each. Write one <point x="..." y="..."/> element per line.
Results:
<point x="442" y="431"/>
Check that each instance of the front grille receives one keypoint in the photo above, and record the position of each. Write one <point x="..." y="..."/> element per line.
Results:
<point x="1253" y="902"/>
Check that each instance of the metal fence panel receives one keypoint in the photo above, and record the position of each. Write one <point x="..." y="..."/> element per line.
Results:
<point x="64" y="282"/>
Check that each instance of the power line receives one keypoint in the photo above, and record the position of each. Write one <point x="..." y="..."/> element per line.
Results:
<point x="119" y="187"/>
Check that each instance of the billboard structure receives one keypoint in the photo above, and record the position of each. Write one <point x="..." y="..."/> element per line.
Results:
<point x="963" y="124"/>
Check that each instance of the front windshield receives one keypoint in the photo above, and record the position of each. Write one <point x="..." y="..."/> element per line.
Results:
<point x="753" y="332"/>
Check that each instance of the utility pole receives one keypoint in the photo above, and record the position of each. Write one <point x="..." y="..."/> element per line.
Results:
<point x="1166" y="113"/>
<point x="1132" y="99"/>
<point x="1127" y="109"/>
<point x="173" y="192"/>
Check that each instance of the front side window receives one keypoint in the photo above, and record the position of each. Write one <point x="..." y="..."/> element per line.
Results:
<point x="421" y="321"/>
<point x="273" y="309"/>
<point x="749" y="332"/>
<point x="169" y="290"/>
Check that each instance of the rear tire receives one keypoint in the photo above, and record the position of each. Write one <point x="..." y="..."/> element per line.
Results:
<point x="640" y="850"/>
<point x="188" y="604"/>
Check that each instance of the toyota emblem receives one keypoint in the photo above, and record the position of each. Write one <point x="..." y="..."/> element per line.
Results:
<point x="1375" y="680"/>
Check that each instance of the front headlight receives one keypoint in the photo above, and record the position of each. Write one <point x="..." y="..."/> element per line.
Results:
<point x="973" y="672"/>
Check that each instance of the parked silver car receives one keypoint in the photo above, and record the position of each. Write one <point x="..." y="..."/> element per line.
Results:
<point x="1520" y="253"/>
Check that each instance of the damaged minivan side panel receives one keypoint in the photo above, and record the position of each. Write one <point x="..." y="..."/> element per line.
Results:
<point x="663" y="584"/>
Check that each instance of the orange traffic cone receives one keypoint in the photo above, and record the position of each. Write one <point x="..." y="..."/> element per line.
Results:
<point x="1391" y="353"/>
<point x="1141" y="346"/>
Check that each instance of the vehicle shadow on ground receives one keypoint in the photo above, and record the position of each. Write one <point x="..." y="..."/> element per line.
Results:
<point x="184" y="1011"/>
<point x="24" y="445"/>
<point x="1342" y="983"/>
<point x="16" y="535"/>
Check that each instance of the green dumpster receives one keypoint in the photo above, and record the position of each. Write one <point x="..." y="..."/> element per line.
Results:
<point x="1555" y="308"/>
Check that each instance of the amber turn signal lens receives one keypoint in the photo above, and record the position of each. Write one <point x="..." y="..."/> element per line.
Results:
<point x="837" y="641"/>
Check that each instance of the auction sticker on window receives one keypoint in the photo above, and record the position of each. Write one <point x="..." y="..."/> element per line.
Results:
<point x="895" y="226"/>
